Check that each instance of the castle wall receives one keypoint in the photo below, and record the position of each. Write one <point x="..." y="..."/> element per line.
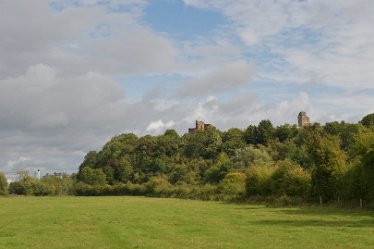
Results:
<point x="303" y="120"/>
<point x="199" y="127"/>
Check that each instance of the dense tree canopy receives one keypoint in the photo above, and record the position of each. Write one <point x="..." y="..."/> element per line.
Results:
<point x="332" y="161"/>
<point x="368" y="120"/>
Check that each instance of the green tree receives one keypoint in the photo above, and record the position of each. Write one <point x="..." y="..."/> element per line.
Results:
<point x="290" y="179"/>
<point x="178" y="173"/>
<point x="122" y="170"/>
<point x="24" y="185"/>
<point x="159" y="165"/>
<point x="329" y="165"/>
<point x="205" y="144"/>
<point x="56" y="184"/>
<point x="364" y="163"/>
<point x="258" y="182"/>
<point x="251" y="155"/>
<point x="232" y="139"/>
<point x="218" y="171"/>
<point x="212" y="143"/>
<point x="144" y="152"/>
<point x="333" y="128"/>
<point x="265" y="132"/>
<point x="3" y="184"/>
<point x="90" y="160"/>
<point x="368" y="120"/>
<point x="119" y="146"/>
<point x="285" y="132"/>
<point x="250" y="135"/>
<point x="92" y="176"/>
<point x="167" y="144"/>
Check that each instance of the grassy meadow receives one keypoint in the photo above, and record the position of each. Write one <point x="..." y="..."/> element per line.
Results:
<point x="139" y="222"/>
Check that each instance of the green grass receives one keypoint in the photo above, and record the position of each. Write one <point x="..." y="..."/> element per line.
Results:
<point x="138" y="222"/>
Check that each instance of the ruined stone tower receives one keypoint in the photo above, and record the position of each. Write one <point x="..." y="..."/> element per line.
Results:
<point x="199" y="127"/>
<point x="303" y="120"/>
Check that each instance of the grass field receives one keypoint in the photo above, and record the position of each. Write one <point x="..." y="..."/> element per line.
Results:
<point x="138" y="222"/>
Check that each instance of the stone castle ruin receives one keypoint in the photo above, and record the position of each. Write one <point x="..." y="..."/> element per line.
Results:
<point x="303" y="120"/>
<point x="200" y="127"/>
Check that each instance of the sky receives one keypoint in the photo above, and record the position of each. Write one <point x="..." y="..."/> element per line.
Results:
<point x="74" y="73"/>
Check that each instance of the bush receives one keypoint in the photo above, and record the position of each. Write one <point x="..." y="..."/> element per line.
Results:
<point x="92" y="176"/>
<point x="41" y="188"/>
<point x="233" y="185"/>
<point x="58" y="185"/>
<point x="84" y="189"/>
<point x="183" y="191"/>
<point x="290" y="179"/>
<point x="158" y="186"/>
<point x="205" y="192"/>
<point x="25" y="186"/>
<point x="258" y="180"/>
<point x="127" y="189"/>
<point x="297" y="182"/>
<point x="17" y="188"/>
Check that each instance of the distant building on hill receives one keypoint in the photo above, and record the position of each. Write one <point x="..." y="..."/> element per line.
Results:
<point x="200" y="127"/>
<point x="303" y="120"/>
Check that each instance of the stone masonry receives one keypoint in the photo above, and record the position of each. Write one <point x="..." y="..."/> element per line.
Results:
<point x="303" y="120"/>
<point x="200" y="127"/>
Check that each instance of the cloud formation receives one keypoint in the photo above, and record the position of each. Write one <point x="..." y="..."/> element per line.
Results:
<point x="79" y="40"/>
<point x="223" y="79"/>
<point x="64" y="63"/>
<point x="328" y="42"/>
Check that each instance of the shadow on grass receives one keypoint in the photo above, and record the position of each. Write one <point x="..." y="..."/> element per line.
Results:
<point x="316" y="223"/>
<point x="248" y="207"/>
<point x="326" y="211"/>
<point x="302" y="209"/>
<point x="308" y="216"/>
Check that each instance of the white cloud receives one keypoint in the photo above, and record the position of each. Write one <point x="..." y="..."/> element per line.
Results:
<point x="10" y="164"/>
<point x="223" y="79"/>
<point x="59" y="97"/>
<point x="43" y="114"/>
<point x="135" y="50"/>
<point x="257" y="19"/>
<point x="331" y="41"/>
<point x="159" y="126"/>
<point x="80" y="39"/>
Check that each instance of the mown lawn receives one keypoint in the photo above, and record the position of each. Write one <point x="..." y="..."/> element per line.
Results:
<point x="139" y="222"/>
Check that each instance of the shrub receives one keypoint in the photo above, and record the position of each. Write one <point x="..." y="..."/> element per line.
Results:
<point x="127" y="189"/>
<point x="296" y="182"/>
<point x="233" y="184"/>
<point x="17" y="188"/>
<point x="158" y="186"/>
<point x="290" y="179"/>
<point x="41" y="188"/>
<point x="205" y="192"/>
<point x="82" y="188"/>
<point x="23" y="187"/>
<point x="258" y="180"/>
<point x="184" y="191"/>
<point x="92" y="176"/>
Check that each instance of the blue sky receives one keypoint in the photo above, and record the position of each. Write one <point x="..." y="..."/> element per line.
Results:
<point x="73" y="73"/>
<point x="181" y="21"/>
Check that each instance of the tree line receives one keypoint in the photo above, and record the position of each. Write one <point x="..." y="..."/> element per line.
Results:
<point x="331" y="162"/>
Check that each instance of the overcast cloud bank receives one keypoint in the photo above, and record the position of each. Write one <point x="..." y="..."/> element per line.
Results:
<point x="61" y="61"/>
